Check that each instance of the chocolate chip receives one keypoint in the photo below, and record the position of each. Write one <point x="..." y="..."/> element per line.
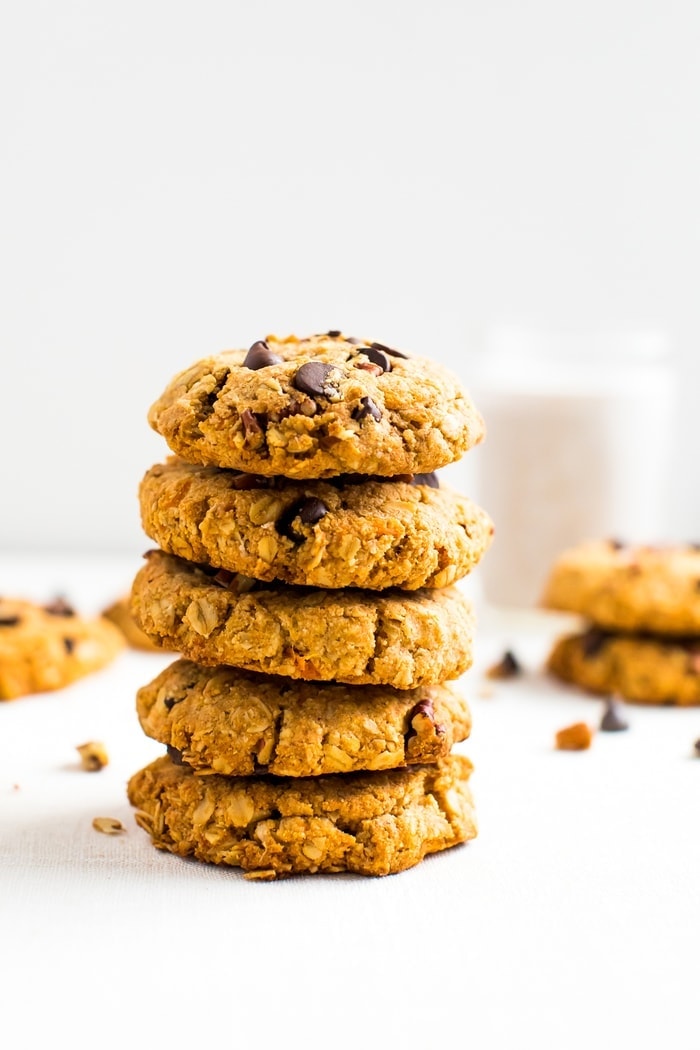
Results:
<point x="334" y="333"/>
<point x="388" y="350"/>
<point x="69" y="645"/>
<point x="313" y="378"/>
<point x="431" y="480"/>
<point x="694" y="546"/>
<point x="260" y="356"/>
<point x="593" y="641"/>
<point x="59" y="607"/>
<point x="249" y="481"/>
<point x="9" y="621"/>
<point x="424" y="709"/>
<point x="507" y="667"/>
<point x="696" y="745"/>
<point x="617" y="545"/>
<point x="309" y="509"/>
<point x="295" y="408"/>
<point x="377" y="356"/>
<point x="355" y="342"/>
<point x="613" y="720"/>
<point x="251" y="423"/>
<point x="366" y="408"/>
<point x="223" y="577"/>
<point x="170" y="701"/>
<point x="175" y="755"/>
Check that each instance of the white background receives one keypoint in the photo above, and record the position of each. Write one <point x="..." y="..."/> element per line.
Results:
<point x="181" y="177"/>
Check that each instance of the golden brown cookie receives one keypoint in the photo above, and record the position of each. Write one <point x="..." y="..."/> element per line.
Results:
<point x="224" y="720"/>
<point x="48" y="647"/>
<point x="357" y="637"/>
<point x="316" y="408"/>
<point x="118" y="614"/>
<point x="342" y="533"/>
<point x="629" y="588"/>
<point x="641" y="669"/>
<point x="368" y="823"/>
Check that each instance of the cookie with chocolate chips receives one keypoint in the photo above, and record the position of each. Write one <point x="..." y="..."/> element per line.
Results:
<point x="316" y="408"/>
<point x="348" y="532"/>
<point x="629" y="588"/>
<point x="639" y="668"/>
<point x="369" y="823"/>
<point x="48" y="647"/>
<point x="357" y="637"/>
<point x="224" y="720"/>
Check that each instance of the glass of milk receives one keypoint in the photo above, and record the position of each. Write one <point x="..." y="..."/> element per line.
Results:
<point x="578" y="436"/>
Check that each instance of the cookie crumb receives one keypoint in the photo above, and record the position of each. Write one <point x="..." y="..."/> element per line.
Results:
<point x="108" y="825"/>
<point x="613" y="720"/>
<point x="485" y="692"/>
<point x="507" y="667"/>
<point x="264" y="875"/>
<point x="577" y="737"/>
<point x="93" y="756"/>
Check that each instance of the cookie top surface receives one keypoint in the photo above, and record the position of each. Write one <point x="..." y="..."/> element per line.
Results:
<point x="368" y="823"/>
<point x="642" y="669"/>
<point x="48" y="647"/>
<point x="353" y="636"/>
<point x="238" y="723"/>
<point x="350" y="532"/>
<point x="317" y="407"/>
<point x="629" y="588"/>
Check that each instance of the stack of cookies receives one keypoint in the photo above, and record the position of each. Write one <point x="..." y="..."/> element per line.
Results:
<point x="642" y="604"/>
<point x="305" y="572"/>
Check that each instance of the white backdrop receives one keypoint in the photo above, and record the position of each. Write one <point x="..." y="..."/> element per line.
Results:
<point x="182" y="177"/>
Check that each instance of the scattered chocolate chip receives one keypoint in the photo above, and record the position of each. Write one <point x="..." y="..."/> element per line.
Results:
<point x="613" y="720"/>
<point x="377" y="355"/>
<point x="334" y="333"/>
<point x="9" y="621"/>
<point x="174" y="755"/>
<point x="260" y="356"/>
<point x="309" y="509"/>
<point x="367" y="366"/>
<point x="313" y="378"/>
<point x="507" y="667"/>
<point x="593" y="641"/>
<point x="251" y="423"/>
<point x="696" y="745"/>
<point x="617" y="545"/>
<point x="59" y="607"/>
<point x="388" y="350"/>
<point x="69" y="645"/>
<point x="431" y="480"/>
<point x="366" y="408"/>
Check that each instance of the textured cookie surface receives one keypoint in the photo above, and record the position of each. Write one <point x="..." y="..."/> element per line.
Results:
<point x="629" y="588"/>
<point x="357" y="637"/>
<point x="317" y="407"/>
<point x="641" y="669"/>
<point x="224" y="720"/>
<point x="118" y="614"/>
<point x="48" y="647"/>
<point x="376" y="534"/>
<point x="368" y="823"/>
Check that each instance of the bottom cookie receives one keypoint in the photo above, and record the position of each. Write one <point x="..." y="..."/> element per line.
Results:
<point x="367" y="823"/>
<point x="642" y="669"/>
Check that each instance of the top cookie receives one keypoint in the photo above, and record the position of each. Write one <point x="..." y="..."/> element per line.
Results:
<point x="316" y="408"/>
<point x="629" y="588"/>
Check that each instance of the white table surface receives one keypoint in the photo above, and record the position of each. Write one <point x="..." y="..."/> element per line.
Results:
<point x="573" y="919"/>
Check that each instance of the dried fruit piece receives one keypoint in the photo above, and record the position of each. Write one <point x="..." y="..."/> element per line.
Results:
<point x="108" y="825"/>
<point x="577" y="737"/>
<point x="93" y="756"/>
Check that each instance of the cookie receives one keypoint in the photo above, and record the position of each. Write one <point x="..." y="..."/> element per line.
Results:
<point x="118" y="614"/>
<point x="368" y="823"/>
<point x="628" y="588"/>
<point x="316" y="408"/>
<point x="375" y="534"/>
<point x="224" y="720"/>
<point x="641" y="669"/>
<point x="352" y="636"/>
<point x="48" y="647"/>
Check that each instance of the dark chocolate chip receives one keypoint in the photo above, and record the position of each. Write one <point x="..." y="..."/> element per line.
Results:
<point x="355" y="342"/>
<point x="366" y="408"/>
<point x="59" y="607"/>
<point x="9" y="621"/>
<point x="251" y="423"/>
<point x="169" y="702"/>
<point x="69" y="645"/>
<point x="334" y="333"/>
<point x="431" y="480"/>
<point x="175" y="755"/>
<point x="617" y="545"/>
<point x="593" y="641"/>
<point x="309" y="509"/>
<point x="249" y="481"/>
<point x="696" y="745"/>
<point x="260" y="356"/>
<point x="613" y="720"/>
<point x="388" y="350"/>
<point x="294" y="408"/>
<point x="313" y="378"/>
<point x="223" y="577"/>
<point x="507" y="667"/>
<point x="377" y="356"/>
